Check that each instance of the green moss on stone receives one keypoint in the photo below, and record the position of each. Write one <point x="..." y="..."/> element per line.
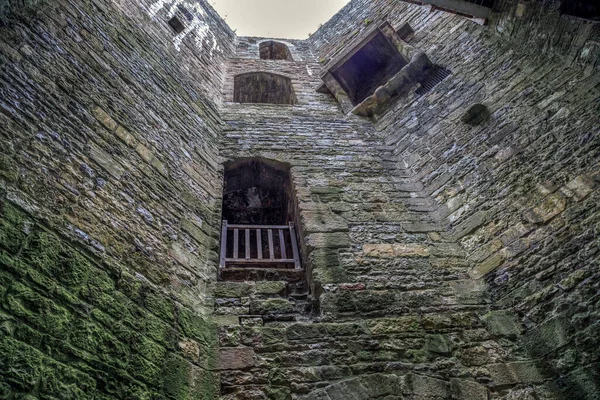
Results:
<point x="176" y="377"/>
<point x="196" y="327"/>
<point x="43" y="313"/>
<point x="14" y="226"/>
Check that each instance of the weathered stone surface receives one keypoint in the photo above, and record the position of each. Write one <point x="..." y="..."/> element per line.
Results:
<point x="548" y="336"/>
<point x="468" y="390"/>
<point x="233" y="358"/>
<point x="395" y="250"/>
<point x="270" y="287"/>
<point x="514" y="372"/>
<point x="547" y="209"/>
<point x="271" y="306"/>
<point x="503" y="323"/>
<point x="232" y="289"/>
<point x="419" y="230"/>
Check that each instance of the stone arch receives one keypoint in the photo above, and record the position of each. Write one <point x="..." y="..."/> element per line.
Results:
<point x="274" y="50"/>
<point x="263" y="87"/>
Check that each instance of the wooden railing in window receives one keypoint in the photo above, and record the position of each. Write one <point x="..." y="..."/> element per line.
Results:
<point x="259" y="245"/>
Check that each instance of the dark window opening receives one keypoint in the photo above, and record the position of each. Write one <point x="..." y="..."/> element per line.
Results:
<point x="258" y="193"/>
<point x="586" y="9"/>
<point x="370" y="67"/>
<point x="272" y="50"/>
<point x="435" y="75"/>
<point x="405" y="32"/>
<point x="176" y="24"/>
<point x="484" y="3"/>
<point x="263" y="87"/>
<point x="478" y="9"/>
<point x="258" y="216"/>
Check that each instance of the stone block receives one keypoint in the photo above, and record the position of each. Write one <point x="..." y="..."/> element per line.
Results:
<point x="488" y="265"/>
<point x="427" y="388"/>
<point x="315" y="222"/>
<point x="332" y="240"/>
<point x="438" y="344"/>
<point x="579" y="188"/>
<point x="126" y="137"/>
<point x="232" y="289"/>
<point x="378" y="385"/>
<point x="385" y="250"/>
<point x="235" y="358"/>
<point x="271" y="307"/>
<point x="513" y="373"/>
<point x="348" y="390"/>
<point x="503" y="323"/>
<point x="547" y="337"/>
<point x="270" y="287"/>
<point x="434" y="322"/>
<point x="106" y="161"/>
<point x="463" y="389"/>
<point x="386" y="326"/>
<point x="105" y="119"/>
<point x="546" y="209"/>
<point x="470" y="291"/>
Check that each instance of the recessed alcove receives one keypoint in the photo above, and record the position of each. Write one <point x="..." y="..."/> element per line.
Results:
<point x="369" y="67"/>
<point x="263" y="87"/>
<point x="373" y="70"/>
<point x="273" y="50"/>
<point x="176" y="25"/>
<point x="257" y="192"/>
<point x="259" y="217"/>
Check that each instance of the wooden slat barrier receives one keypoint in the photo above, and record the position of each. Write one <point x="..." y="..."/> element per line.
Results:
<point x="252" y="259"/>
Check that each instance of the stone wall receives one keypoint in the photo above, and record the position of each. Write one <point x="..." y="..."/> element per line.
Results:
<point x="419" y="225"/>
<point x="449" y="251"/>
<point x="109" y="200"/>
<point x="518" y="192"/>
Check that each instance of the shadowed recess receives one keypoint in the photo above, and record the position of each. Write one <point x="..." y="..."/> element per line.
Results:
<point x="272" y="50"/>
<point x="263" y="87"/>
<point x="370" y="67"/>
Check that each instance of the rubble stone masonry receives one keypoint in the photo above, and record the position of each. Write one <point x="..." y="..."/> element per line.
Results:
<point x="450" y="244"/>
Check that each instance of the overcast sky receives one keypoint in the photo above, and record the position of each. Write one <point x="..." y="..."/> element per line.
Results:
<point x="290" y="19"/>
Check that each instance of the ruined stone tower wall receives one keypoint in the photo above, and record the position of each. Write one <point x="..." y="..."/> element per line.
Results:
<point x="109" y="186"/>
<point x="427" y="241"/>
<point x="444" y="257"/>
<point x="518" y="192"/>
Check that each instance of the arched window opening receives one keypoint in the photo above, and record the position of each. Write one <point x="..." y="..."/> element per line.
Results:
<point x="272" y="50"/>
<point x="258" y="216"/>
<point x="263" y="87"/>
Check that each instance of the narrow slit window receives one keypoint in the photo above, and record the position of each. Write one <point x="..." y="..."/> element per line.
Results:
<point x="176" y="25"/>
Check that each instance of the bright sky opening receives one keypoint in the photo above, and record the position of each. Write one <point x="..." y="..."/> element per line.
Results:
<point x="286" y="19"/>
